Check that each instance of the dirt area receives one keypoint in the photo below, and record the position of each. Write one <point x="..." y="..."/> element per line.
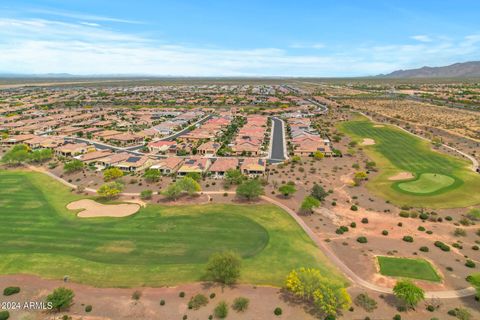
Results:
<point x="93" y="209"/>
<point x="401" y="176"/>
<point x="117" y="303"/>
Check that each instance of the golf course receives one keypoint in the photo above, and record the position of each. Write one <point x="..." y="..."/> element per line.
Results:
<point x="159" y="245"/>
<point x="437" y="180"/>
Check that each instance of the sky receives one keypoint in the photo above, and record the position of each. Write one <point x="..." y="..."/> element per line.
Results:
<point x="235" y="38"/>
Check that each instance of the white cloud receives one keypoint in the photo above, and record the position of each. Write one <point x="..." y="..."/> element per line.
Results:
<point x="307" y="46"/>
<point x="422" y="38"/>
<point x="51" y="46"/>
<point x="82" y="16"/>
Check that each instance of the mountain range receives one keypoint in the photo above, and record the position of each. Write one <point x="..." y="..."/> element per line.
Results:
<point x="469" y="69"/>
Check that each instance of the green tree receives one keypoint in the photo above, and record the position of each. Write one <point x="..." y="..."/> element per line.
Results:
<point x="112" y="174"/>
<point x="173" y="191"/>
<point x="152" y="175"/>
<point x="194" y="175"/>
<point x="328" y="296"/>
<point x="224" y="267"/>
<point x="189" y="185"/>
<point x="318" y="192"/>
<point x="110" y="190"/>
<point x="234" y="176"/>
<point x="287" y="190"/>
<point x="474" y="279"/>
<point x="359" y="177"/>
<point x="73" y="166"/>
<point x="318" y="155"/>
<point x="61" y="298"/>
<point x="146" y="194"/>
<point x="308" y="204"/>
<point x="41" y="155"/>
<point x="17" y="155"/>
<point x="408" y="293"/>
<point x="250" y="190"/>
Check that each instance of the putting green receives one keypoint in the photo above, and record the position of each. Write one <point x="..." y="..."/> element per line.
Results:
<point x="442" y="181"/>
<point x="407" y="268"/>
<point x="159" y="245"/>
<point x="427" y="183"/>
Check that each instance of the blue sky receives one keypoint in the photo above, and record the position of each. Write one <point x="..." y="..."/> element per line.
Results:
<point x="235" y="38"/>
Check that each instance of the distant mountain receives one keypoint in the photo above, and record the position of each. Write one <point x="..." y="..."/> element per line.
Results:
<point x="457" y="70"/>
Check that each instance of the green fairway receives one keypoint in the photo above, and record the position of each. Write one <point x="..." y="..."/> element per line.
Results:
<point x="441" y="181"/>
<point x="157" y="246"/>
<point x="427" y="183"/>
<point x="407" y="268"/>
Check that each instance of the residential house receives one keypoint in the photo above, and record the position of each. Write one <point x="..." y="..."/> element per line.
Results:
<point x="221" y="165"/>
<point x="253" y="167"/>
<point x="194" y="165"/>
<point x="209" y="148"/>
<point x="168" y="166"/>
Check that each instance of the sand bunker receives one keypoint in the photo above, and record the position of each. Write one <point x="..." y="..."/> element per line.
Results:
<point x="93" y="209"/>
<point x="401" y="176"/>
<point x="368" y="142"/>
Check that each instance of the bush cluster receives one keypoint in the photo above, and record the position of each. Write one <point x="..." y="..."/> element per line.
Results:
<point x="442" y="246"/>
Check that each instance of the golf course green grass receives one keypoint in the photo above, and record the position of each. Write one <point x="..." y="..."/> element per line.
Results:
<point x="407" y="268"/>
<point x="427" y="183"/>
<point x="157" y="246"/>
<point x="440" y="180"/>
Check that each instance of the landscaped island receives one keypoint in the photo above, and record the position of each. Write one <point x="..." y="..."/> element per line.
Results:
<point x="157" y="246"/>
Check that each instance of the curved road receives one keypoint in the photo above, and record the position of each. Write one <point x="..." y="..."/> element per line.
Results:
<point x="446" y="294"/>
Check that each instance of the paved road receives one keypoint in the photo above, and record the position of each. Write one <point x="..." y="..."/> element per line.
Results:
<point x="277" y="148"/>
<point x="187" y="129"/>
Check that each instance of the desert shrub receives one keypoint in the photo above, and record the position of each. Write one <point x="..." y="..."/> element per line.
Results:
<point x="407" y="238"/>
<point x="362" y="239"/>
<point x="8" y="291"/>
<point x="61" y="298"/>
<point x="278" y="311"/>
<point x="212" y="295"/>
<point x="448" y="218"/>
<point x="181" y="294"/>
<point x="136" y="295"/>
<point x="240" y="304"/>
<point x="424" y="249"/>
<point x="197" y="301"/>
<point x="146" y="194"/>
<point x="457" y="245"/>
<point x="460" y="313"/>
<point x="442" y="246"/>
<point x="423" y="216"/>
<point x="475" y="247"/>
<point x="459" y="232"/>
<point x="162" y="302"/>
<point x="353" y="225"/>
<point x="88" y="308"/>
<point x="365" y="220"/>
<point x="397" y="317"/>
<point x="364" y="301"/>
<point x="185" y="317"/>
<point x="4" y="315"/>
<point x="430" y="308"/>
<point x="469" y="264"/>
<point x="421" y="228"/>
<point x="354" y="208"/>
<point x="221" y="310"/>
<point x="385" y="232"/>
<point x="404" y="214"/>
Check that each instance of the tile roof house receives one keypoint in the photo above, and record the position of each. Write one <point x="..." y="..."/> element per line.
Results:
<point x="195" y="165"/>
<point x="253" y="167"/>
<point x="168" y="166"/>
<point x="221" y="165"/>
<point x="112" y="159"/>
<point x="18" y="139"/>
<point x="72" y="149"/>
<point x="134" y="163"/>
<point x="94" y="156"/>
<point x="209" y="148"/>
<point x="161" y="146"/>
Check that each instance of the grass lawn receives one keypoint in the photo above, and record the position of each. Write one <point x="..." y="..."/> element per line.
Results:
<point x="441" y="181"/>
<point x="407" y="268"/>
<point x="157" y="246"/>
